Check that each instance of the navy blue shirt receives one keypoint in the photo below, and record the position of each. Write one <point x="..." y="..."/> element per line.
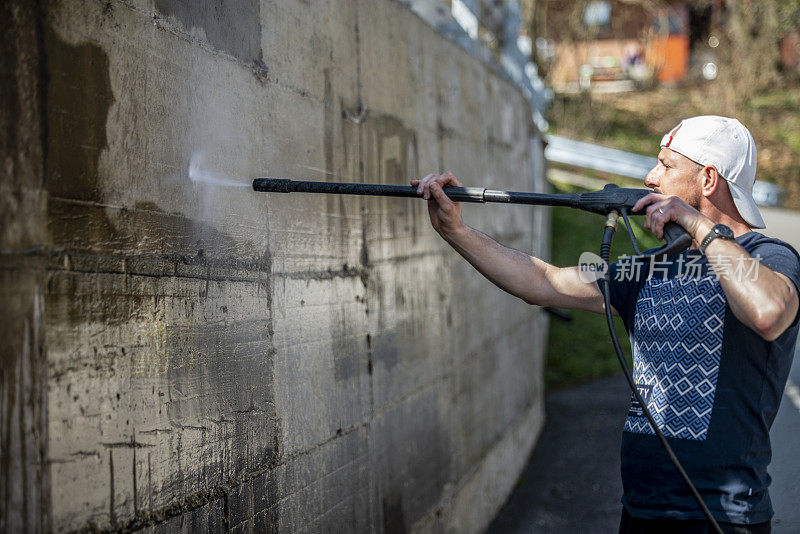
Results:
<point x="712" y="384"/>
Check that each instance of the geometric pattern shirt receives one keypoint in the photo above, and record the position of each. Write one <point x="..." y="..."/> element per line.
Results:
<point x="676" y="354"/>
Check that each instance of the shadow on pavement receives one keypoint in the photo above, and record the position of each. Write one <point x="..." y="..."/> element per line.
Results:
<point x="572" y="482"/>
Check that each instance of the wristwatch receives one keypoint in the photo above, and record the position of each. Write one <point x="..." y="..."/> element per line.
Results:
<point x="719" y="230"/>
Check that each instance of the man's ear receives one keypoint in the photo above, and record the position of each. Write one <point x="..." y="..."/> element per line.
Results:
<point x="709" y="180"/>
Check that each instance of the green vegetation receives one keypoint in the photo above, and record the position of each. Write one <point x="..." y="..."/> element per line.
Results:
<point x="784" y="128"/>
<point x="581" y="349"/>
<point x="593" y="119"/>
<point x="775" y="101"/>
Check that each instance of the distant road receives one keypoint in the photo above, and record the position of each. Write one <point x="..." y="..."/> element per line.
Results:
<point x="785" y="466"/>
<point x="783" y="224"/>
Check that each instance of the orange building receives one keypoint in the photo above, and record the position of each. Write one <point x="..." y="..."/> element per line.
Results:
<point x="614" y="40"/>
<point x="671" y="54"/>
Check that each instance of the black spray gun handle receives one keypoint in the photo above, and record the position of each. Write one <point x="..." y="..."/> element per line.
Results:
<point x="677" y="238"/>
<point x="622" y="199"/>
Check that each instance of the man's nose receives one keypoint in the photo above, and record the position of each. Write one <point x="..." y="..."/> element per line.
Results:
<point x="650" y="180"/>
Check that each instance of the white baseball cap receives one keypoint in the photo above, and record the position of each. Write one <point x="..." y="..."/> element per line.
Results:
<point x="726" y="145"/>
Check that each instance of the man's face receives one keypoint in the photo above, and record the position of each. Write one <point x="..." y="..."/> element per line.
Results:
<point x="677" y="175"/>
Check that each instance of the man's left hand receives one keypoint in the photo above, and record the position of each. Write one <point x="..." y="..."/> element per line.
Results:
<point x="664" y="208"/>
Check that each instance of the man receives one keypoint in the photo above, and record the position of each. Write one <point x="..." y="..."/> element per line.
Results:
<point x="713" y="335"/>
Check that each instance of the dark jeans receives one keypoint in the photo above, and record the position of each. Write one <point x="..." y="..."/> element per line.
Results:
<point x="632" y="525"/>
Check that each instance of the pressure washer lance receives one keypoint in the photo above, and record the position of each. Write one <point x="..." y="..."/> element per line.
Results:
<point x="611" y="202"/>
<point x="602" y="202"/>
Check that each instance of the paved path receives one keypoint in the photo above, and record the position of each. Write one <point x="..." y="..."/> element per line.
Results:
<point x="572" y="485"/>
<point x="785" y="466"/>
<point x="572" y="482"/>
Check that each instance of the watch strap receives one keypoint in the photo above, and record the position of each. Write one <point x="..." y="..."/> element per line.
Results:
<point x="711" y="236"/>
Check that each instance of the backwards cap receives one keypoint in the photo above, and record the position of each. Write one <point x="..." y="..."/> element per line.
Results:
<point x="726" y="145"/>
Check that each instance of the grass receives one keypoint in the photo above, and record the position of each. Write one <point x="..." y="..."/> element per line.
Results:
<point x="581" y="349"/>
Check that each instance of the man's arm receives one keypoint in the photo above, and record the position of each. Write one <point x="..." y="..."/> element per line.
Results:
<point x="765" y="301"/>
<point x="531" y="279"/>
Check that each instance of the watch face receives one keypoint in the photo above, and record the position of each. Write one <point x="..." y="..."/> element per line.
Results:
<point x="723" y="231"/>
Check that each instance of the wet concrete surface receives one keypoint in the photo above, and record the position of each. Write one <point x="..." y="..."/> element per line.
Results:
<point x="572" y="482"/>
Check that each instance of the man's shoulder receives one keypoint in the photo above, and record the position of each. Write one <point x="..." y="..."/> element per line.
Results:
<point x="753" y="241"/>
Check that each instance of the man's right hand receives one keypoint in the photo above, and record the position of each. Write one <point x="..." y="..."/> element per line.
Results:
<point x="445" y="214"/>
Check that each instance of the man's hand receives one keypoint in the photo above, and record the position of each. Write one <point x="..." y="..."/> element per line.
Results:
<point x="445" y="214"/>
<point x="664" y="208"/>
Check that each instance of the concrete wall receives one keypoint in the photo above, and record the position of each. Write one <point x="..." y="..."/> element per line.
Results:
<point x="188" y="355"/>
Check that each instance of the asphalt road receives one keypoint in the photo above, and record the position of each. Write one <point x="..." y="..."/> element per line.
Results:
<point x="572" y="482"/>
<point x="785" y="466"/>
<point x="572" y="485"/>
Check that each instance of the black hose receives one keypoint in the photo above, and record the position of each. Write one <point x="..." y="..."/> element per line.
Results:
<point x="605" y="253"/>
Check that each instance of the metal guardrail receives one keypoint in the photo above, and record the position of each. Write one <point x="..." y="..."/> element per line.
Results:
<point x="590" y="156"/>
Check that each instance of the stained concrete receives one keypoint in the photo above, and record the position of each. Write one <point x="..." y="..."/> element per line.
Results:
<point x="25" y="497"/>
<point x="187" y="356"/>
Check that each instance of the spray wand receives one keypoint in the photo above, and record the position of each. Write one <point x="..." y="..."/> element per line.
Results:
<point x="611" y="201"/>
<point x="610" y="198"/>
